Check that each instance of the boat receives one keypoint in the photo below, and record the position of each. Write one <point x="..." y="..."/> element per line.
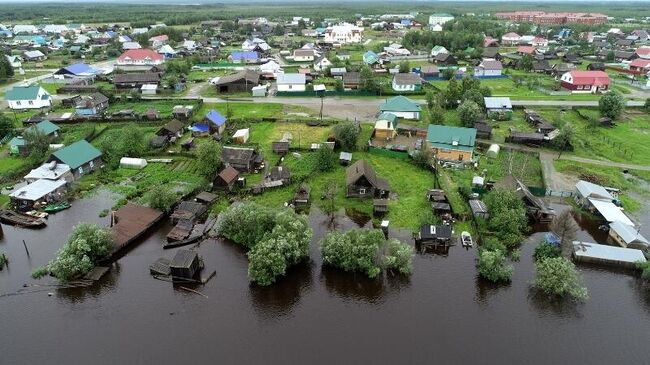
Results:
<point x="37" y="214"/>
<point x="466" y="239"/>
<point x="19" y="219"/>
<point x="53" y="208"/>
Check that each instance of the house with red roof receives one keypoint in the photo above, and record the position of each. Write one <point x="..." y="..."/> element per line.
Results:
<point x="539" y="42"/>
<point x="643" y="52"/>
<point x="158" y="41"/>
<point x="640" y="65"/>
<point x="585" y="81"/>
<point x="522" y="50"/>
<point x="490" y="42"/>
<point x="140" y="57"/>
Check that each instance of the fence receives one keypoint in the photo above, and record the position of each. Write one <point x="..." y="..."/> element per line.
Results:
<point x="388" y="153"/>
<point x="327" y="93"/>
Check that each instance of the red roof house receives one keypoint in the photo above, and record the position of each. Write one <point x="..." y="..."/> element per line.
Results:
<point x="140" y="57"/>
<point x="585" y="81"/>
<point x="490" y="42"/>
<point x="526" y="50"/>
<point x="640" y="65"/>
<point x="643" y="52"/>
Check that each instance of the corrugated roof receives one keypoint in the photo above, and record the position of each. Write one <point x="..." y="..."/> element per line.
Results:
<point x="215" y="117"/>
<point x="610" y="211"/>
<point x="37" y="189"/>
<point x="77" y="154"/>
<point x="451" y="137"/>
<point x="591" y="190"/>
<point x="607" y="253"/>
<point x="23" y="93"/>
<point x="628" y="233"/>
<point x="399" y="104"/>
<point x="46" y="171"/>
<point x="291" y="79"/>
<point x="497" y="102"/>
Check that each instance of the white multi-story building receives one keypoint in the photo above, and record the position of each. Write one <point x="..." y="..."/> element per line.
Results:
<point x="344" y="33"/>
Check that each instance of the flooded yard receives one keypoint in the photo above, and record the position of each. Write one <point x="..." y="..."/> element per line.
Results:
<point x="443" y="313"/>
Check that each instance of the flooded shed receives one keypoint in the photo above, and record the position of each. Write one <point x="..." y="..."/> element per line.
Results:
<point x="607" y="255"/>
<point x="185" y="264"/>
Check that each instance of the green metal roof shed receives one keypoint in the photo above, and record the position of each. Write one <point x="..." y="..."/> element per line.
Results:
<point x="77" y="154"/>
<point x="46" y="127"/>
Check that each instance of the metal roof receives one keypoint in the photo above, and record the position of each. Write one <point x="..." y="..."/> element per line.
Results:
<point x="47" y="171"/>
<point x="610" y="211"/>
<point x="628" y="233"/>
<point x="77" y="154"/>
<point x="591" y="190"/>
<point x="497" y="102"/>
<point x="606" y="253"/>
<point x="284" y="79"/>
<point x="37" y="189"/>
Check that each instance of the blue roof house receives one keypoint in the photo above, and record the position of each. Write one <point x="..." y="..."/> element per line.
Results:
<point x="199" y="130"/>
<point x="215" y="121"/>
<point x="77" y="70"/>
<point x="244" y="57"/>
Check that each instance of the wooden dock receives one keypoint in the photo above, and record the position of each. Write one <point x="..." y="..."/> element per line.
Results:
<point x="131" y="222"/>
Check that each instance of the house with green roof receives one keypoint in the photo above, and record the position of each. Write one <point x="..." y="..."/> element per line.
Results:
<point x="47" y="128"/>
<point x="28" y="97"/>
<point x="82" y="157"/>
<point x="386" y="126"/>
<point x="454" y="144"/>
<point x="370" y="58"/>
<point x="401" y="107"/>
<point x="18" y="146"/>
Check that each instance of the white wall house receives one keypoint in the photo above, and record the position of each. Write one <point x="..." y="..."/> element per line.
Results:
<point x="440" y="19"/>
<point x="291" y="82"/>
<point x="28" y="97"/>
<point x="321" y="64"/>
<point x="344" y="33"/>
<point x="304" y="55"/>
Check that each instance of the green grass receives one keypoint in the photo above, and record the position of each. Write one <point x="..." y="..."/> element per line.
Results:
<point x="243" y="110"/>
<point x="4" y="200"/>
<point x="165" y="107"/>
<point x="627" y="142"/>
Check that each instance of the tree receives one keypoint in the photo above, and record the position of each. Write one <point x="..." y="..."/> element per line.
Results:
<point x="404" y="67"/>
<point x="208" y="158"/>
<point x="469" y="113"/>
<point x="367" y="251"/>
<point x="436" y="114"/>
<point x="430" y="97"/>
<point x="367" y="81"/>
<point x="611" y="105"/>
<point x="325" y="159"/>
<point x="6" y="71"/>
<point x="475" y="96"/>
<point x="6" y="125"/>
<point x="424" y="157"/>
<point x="452" y="94"/>
<point x="87" y="245"/>
<point x="493" y="267"/>
<point x="469" y="83"/>
<point x="448" y="73"/>
<point x="38" y="144"/>
<point x="508" y="218"/>
<point x="338" y="86"/>
<point x="132" y="143"/>
<point x="278" y="30"/>
<point x="565" y="139"/>
<point x="611" y="56"/>
<point x="162" y="198"/>
<point x="646" y="106"/>
<point x="347" y="135"/>
<point x="526" y="63"/>
<point x="565" y="227"/>
<point x="557" y="276"/>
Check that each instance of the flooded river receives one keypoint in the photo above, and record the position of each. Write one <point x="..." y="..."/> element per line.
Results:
<point x="443" y="313"/>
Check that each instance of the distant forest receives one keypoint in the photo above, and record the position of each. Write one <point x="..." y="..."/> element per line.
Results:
<point x="146" y="14"/>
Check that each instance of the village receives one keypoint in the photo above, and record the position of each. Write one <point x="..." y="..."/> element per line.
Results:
<point x="509" y="146"/>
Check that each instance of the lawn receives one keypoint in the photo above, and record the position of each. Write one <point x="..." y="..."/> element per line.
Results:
<point x="407" y="206"/>
<point x="241" y="110"/>
<point x="265" y="133"/>
<point x="627" y="142"/>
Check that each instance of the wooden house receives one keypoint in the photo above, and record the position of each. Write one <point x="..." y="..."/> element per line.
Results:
<point x="452" y="143"/>
<point x="279" y="173"/>
<point x="302" y="196"/>
<point x="430" y="235"/>
<point x="380" y="206"/>
<point x="362" y="182"/>
<point x="386" y="126"/>
<point x="535" y="207"/>
<point x="226" y="179"/>
<point x="82" y="157"/>
<point x="280" y="147"/>
<point x="242" y="159"/>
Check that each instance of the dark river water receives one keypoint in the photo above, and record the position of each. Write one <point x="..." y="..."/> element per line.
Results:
<point x="443" y="313"/>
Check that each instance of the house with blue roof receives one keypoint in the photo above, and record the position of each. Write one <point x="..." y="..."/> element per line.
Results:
<point x="77" y="70"/>
<point x="244" y="57"/>
<point x="200" y="130"/>
<point x="215" y="121"/>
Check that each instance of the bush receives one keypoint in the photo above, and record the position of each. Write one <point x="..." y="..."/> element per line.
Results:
<point x="492" y="266"/>
<point x="347" y="135"/>
<point x="469" y="113"/>
<point x="277" y="239"/>
<point x="611" y="105"/>
<point x="325" y="159"/>
<point x="87" y="245"/>
<point x="545" y="250"/>
<point x="508" y="219"/>
<point x="366" y="251"/>
<point x="208" y="156"/>
<point x="645" y="270"/>
<point x="557" y="276"/>
<point x="162" y="198"/>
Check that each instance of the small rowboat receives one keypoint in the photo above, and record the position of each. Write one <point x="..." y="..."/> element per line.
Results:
<point x="19" y="219"/>
<point x="53" y="208"/>
<point x="466" y="239"/>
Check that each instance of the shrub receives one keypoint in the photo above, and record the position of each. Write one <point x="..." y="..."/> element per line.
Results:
<point x="208" y="157"/>
<point x="325" y="159"/>
<point x="645" y="270"/>
<point x="162" y="198"/>
<point x="611" y="105"/>
<point x="469" y="113"/>
<point x="492" y="266"/>
<point x="366" y="251"/>
<point x="545" y="250"/>
<point x="347" y="135"/>
<point x="507" y="216"/>
<point x="557" y="276"/>
<point x="87" y="245"/>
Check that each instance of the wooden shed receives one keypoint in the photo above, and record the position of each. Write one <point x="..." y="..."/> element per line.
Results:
<point x="185" y="264"/>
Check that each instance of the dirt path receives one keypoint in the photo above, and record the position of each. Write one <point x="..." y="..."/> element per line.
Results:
<point x="553" y="179"/>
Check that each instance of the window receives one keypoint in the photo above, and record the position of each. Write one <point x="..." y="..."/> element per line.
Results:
<point x="362" y="191"/>
<point x="80" y="170"/>
<point x="18" y="103"/>
<point x="31" y="102"/>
